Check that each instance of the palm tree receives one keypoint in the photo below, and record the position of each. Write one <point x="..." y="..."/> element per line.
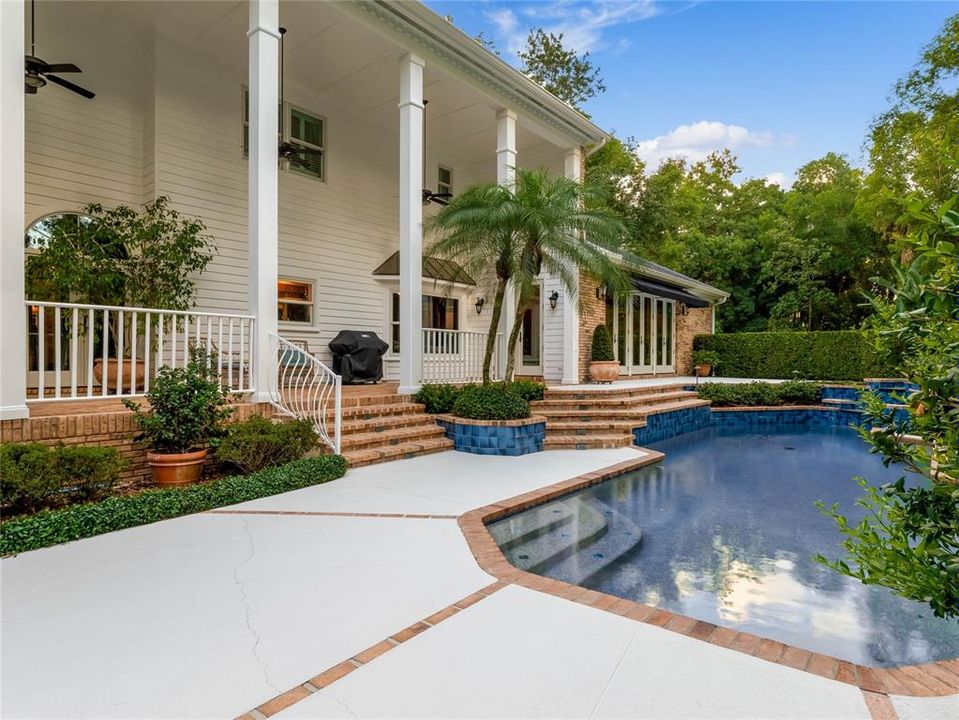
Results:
<point x="544" y="222"/>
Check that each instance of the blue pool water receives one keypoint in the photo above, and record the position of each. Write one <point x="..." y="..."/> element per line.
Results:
<point x="725" y="530"/>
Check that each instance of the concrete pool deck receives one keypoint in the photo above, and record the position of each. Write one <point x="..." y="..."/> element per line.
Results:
<point x="215" y="614"/>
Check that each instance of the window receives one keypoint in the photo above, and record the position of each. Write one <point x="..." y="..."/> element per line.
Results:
<point x="299" y="128"/>
<point x="444" y="180"/>
<point x="294" y="301"/>
<point x="439" y="313"/>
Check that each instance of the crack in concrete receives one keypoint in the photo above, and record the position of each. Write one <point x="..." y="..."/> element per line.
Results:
<point x="342" y="704"/>
<point x="247" y="608"/>
<point x="612" y="675"/>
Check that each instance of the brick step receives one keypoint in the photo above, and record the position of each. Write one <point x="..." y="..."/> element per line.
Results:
<point x="677" y="405"/>
<point x="373" y="455"/>
<point x="369" y="412"/>
<point x="589" y="427"/>
<point x="395" y="436"/>
<point x="600" y="392"/>
<point x="381" y="398"/>
<point x="387" y="423"/>
<point x="611" y="402"/>
<point x="626" y="415"/>
<point x="587" y="442"/>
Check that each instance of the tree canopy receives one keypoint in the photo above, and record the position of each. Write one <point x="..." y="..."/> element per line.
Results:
<point x="570" y="77"/>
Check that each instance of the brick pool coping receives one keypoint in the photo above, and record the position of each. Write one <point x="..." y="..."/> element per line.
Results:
<point x="522" y="422"/>
<point x="929" y="679"/>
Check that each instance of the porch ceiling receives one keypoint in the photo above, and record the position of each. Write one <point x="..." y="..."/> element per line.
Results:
<point x="332" y="55"/>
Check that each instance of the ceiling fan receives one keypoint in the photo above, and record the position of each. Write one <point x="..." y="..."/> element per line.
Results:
<point x="37" y="71"/>
<point x="291" y="152"/>
<point x="428" y="195"/>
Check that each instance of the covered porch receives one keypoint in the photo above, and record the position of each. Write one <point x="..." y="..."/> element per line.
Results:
<point x="185" y="108"/>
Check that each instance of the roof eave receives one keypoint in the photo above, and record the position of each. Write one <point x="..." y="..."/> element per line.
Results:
<point x="432" y="32"/>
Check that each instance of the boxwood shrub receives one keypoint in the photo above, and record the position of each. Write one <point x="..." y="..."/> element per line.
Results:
<point x="796" y="392"/>
<point x="490" y="402"/>
<point x="50" y="527"/>
<point x="258" y="443"/>
<point x="441" y="398"/>
<point x="826" y="355"/>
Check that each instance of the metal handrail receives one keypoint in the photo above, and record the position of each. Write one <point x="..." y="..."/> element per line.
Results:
<point x="302" y="387"/>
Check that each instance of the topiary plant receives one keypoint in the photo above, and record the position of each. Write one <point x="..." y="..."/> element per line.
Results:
<point x="602" y="348"/>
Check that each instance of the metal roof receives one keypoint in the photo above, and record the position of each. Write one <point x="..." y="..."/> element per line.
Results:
<point x="433" y="269"/>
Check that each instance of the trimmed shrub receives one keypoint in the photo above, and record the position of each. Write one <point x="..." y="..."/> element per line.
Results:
<point x="34" y="476"/>
<point x="602" y="348"/>
<point x="528" y="389"/>
<point x="490" y="402"/>
<point x="51" y="527"/>
<point x="437" y="398"/>
<point x="257" y="443"/>
<point x="28" y="479"/>
<point x="826" y="355"/>
<point x="795" y="392"/>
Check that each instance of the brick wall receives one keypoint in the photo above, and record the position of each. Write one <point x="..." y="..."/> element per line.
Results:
<point x="112" y="429"/>
<point x="696" y="321"/>
<point x="592" y="312"/>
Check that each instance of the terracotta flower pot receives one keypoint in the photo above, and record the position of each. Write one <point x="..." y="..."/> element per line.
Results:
<point x="176" y="468"/>
<point x="705" y="369"/>
<point x="604" y="371"/>
<point x="137" y="370"/>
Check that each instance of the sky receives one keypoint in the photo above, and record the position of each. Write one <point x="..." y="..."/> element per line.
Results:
<point x="779" y="83"/>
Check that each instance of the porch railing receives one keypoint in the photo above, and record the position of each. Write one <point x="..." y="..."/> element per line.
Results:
<point x="77" y="351"/>
<point x="456" y="356"/>
<point x="303" y="387"/>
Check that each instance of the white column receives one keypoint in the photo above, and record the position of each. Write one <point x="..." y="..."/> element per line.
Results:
<point x="573" y="170"/>
<point x="411" y="223"/>
<point x="506" y="175"/>
<point x="13" y="319"/>
<point x="264" y="36"/>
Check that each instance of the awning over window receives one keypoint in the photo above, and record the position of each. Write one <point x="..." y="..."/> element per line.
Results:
<point x="433" y="269"/>
<point x="670" y="292"/>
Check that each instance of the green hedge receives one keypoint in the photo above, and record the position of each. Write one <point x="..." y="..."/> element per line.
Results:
<point x="441" y="398"/>
<point x="490" y="402"/>
<point x="51" y="527"/>
<point x="793" y="392"/>
<point x="828" y="355"/>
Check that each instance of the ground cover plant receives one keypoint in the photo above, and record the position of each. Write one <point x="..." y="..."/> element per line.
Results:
<point x="50" y="527"/>
<point x="793" y="392"/>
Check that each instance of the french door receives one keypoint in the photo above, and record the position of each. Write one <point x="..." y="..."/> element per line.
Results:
<point x="529" y="349"/>
<point x="644" y="333"/>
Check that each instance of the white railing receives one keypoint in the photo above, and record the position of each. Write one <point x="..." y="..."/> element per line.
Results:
<point x="77" y="351"/>
<point x="303" y="387"/>
<point x="456" y="356"/>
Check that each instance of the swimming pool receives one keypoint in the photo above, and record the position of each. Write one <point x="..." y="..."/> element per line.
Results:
<point x="725" y="530"/>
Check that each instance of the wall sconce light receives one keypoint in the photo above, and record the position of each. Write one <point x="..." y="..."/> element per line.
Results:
<point x="480" y="302"/>
<point x="553" y="297"/>
<point x="683" y="308"/>
<point x="600" y="292"/>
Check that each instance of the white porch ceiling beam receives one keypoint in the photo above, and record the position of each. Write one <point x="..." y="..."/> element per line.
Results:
<point x="506" y="175"/>
<point x="573" y="169"/>
<point x="13" y="319"/>
<point x="264" y="42"/>
<point x="411" y="223"/>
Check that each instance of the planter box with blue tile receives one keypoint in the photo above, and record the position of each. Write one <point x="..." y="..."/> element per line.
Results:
<point x="495" y="437"/>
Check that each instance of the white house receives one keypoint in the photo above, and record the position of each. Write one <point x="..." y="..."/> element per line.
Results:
<point x="185" y="106"/>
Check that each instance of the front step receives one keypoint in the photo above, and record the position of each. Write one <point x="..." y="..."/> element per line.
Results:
<point x="394" y="436"/>
<point x="403" y="451"/>
<point x="559" y="401"/>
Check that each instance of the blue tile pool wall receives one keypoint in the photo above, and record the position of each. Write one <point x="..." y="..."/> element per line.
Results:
<point x="809" y="417"/>
<point x="830" y="392"/>
<point x="496" y="439"/>
<point x="666" y="425"/>
<point x="892" y="391"/>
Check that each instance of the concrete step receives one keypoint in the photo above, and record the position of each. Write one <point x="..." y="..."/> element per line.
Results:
<point x="394" y="436"/>
<point x="600" y="392"/>
<point x="587" y="442"/>
<point x="378" y="454"/>
<point x="610" y="402"/>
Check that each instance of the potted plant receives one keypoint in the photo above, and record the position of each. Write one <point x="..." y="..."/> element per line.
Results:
<point x="603" y="367"/>
<point x="705" y="360"/>
<point x="187" y="408"/>
<point x="119" y="257"/>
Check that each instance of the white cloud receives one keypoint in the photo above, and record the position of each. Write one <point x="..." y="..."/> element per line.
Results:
<point x="781" y="179"/>
<point x="695" y="141"/>
<point x="581" y="23"/>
